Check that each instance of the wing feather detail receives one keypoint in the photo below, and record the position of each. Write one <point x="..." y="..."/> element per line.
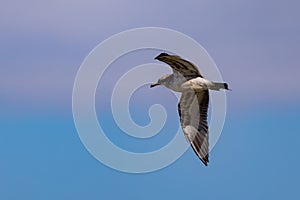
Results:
<point x="193" y="108"/>
<point x="179" y="65"/>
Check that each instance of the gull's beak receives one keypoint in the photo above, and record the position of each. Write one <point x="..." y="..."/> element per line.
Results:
<point x="154" y="84"/>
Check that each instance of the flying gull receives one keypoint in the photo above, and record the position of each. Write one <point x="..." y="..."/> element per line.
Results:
<point x="193" y="105"/>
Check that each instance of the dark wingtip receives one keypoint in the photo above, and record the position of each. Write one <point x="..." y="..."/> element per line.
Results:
<point x="161" y="55"/>
<point x="205" y="160"/>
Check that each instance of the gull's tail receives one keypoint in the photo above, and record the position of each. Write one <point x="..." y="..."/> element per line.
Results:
<point x="218" y="86"/>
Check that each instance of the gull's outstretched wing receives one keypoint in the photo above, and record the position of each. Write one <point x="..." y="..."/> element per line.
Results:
<point x="179" y="65"/>
<point x="193" y="107"/>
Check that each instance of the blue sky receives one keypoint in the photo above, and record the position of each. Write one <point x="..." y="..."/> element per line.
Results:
<point x="255" y="46"/>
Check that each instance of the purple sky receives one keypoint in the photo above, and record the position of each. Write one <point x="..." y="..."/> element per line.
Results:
<point x="254" y="44"/>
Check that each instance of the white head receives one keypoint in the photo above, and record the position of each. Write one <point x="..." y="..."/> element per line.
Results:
<point x="165" y="80"/>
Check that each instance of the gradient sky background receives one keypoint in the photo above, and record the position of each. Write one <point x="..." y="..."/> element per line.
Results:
<point x="255" y="46"/>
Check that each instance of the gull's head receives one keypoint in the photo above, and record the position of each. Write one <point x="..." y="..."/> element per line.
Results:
<point x="164" y="80"/>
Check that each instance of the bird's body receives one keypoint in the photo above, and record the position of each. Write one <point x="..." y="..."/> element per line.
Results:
<point x="179" y="83"/>
<point x="193" y="105"/>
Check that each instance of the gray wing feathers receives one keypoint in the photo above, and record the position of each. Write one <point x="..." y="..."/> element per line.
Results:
<point x="193" y="107"/>
<point x="184" y="67"/>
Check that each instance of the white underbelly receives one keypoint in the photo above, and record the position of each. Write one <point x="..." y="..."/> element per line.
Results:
<point x="196" y="84"/>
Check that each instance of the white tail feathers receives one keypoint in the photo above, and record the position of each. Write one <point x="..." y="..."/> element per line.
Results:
<point x="218" y="86"/>
<point x="203" y="84"/>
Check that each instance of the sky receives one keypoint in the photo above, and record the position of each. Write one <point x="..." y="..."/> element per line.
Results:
<point x="255" y="46"/>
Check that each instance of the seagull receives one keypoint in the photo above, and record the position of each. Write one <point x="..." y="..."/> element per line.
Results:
<point x="193" y="104"/>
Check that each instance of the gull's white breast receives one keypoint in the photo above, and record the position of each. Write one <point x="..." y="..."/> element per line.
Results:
<point x="197" y="84"/>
